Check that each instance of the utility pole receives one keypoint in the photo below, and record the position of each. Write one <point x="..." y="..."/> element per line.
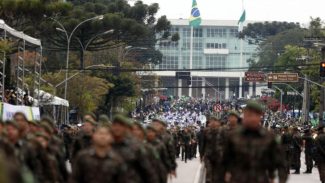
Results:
<point x="305" y="105"/>
<point x="322" y="94"/>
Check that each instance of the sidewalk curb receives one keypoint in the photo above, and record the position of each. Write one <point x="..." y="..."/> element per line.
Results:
<point x="199" y="174"/>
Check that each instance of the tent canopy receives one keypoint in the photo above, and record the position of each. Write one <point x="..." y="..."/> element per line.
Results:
<point x="19" y="34"/>
<point x="49" y="99"/>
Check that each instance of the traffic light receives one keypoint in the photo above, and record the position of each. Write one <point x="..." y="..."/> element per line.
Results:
<point x="322" y="69"/>
<point x="189" y="82"/>
<point x="269" y="85"/>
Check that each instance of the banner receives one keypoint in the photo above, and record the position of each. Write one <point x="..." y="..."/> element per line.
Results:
<point x="8" y="111"/>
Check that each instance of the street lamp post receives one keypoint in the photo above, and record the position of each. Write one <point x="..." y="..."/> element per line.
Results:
<point x="84" y="48"/>
<point x="68" y="37"/>
<point x="69" y="78"/>
<point x="128" y="49"/>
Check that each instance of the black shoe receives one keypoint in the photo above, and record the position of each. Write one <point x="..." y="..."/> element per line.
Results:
<point x="296" y="172"/>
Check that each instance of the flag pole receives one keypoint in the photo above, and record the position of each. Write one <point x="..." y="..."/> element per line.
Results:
<point x="191" y="61"/>
<point x="241" y="58"/>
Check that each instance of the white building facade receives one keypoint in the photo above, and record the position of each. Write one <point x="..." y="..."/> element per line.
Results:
<point x="216" y="61"/>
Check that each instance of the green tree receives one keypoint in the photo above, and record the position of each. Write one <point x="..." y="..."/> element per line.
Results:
<point x="133" y="25"/>
<point x="26" y="15"/>
<point x="260" y="31"/>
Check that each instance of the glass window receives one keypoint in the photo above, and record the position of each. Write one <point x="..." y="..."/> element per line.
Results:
<point x="234" y="32"/>
<point x="186" y="32"/>
<point x="169" y="62"/>
<point x="168" y="45"/>
<point x="224" y="45"/>
<point x="197" y="33"/>
<point x="185" y="62"/>
<point x="216" y="32"/>
<point x="197" y="62"/>
<point x="216" y="45"/>
<point x="215" y="61"/>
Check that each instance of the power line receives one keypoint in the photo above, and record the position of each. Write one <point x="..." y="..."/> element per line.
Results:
<point x="234" y="69"/>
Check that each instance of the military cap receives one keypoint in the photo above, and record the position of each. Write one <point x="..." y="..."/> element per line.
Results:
<point x="41" y="134"/>
<point x="33" y="122"/>
<point x="138" y="124"/>
<point x="12" y="123"/>
<point x="118" y="118"/>
<point x="103" y="119"/>
<point x="48" y="120"/>
<point x="150" y="127"/>
<point x="47" y="127"/>
<point x="233" y="113"/>
<point x="92" y="115"/>
<point x="159" y="121"/>
<point x="255" y="106"/>
<point x="90" y="121"/>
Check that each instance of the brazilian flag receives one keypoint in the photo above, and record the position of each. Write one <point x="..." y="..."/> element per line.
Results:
<point x="195" y="19"/>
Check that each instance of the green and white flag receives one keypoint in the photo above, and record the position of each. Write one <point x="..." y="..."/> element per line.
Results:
<point x="241" y="21"/>
<point x="195" y="18"/>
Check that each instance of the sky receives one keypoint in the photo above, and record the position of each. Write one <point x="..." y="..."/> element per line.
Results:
<point x="258" y="10"/>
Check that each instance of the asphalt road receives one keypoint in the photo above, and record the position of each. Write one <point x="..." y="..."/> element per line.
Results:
<point x="190" y="173"/>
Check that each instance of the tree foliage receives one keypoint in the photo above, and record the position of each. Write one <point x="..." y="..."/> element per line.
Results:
<point x="26" y="15"/>
<point x="86" y="96"/>
<point x="262" y="30"/>
<point x="133" y="25"/>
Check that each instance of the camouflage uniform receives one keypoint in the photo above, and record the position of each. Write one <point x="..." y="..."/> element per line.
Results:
<point x="212" y="149"/>
<point x="42" y="164"/>
<point x="296" y="151"/>
<point x="81" y="142"/>
<point x="253" y="156"/>
<point x="309" y="145"/>
<point x="287" y="146"/>
<point x="320" y="155"/>
<point x="167" y="139"/>
<point x="137" y="161"/>
<point x="161" y="161"/>
<point x="185" y="143"/>
<point x="90" y="168"/>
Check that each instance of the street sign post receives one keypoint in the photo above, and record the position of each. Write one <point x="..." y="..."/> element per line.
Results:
<point x="183" y="75"/>
<point x="254" y="77"/>
<point x="283" y="77"/>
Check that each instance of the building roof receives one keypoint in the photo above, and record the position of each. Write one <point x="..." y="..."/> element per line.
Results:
<point x="225" y="23"/>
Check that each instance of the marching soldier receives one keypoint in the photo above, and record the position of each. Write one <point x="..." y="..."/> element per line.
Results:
<point x="167" y="139"/>
<point x="287" y="145"/>
<point x="309" y="145"/>
<point x="296" y="151"/>
<point x="132" y="151"/>
<point x="233" y="121"/>
<point x="83" y="140"/>
<point x="252" y="154"/>
<point x="212" y="150"/>
<point x="164" y="162"/>
<point x="99" y="163"/>
<point x="320" y="153"/>
<point x="186" y="145"/>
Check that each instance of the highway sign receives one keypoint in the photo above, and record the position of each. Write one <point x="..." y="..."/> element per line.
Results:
<point x="254" y="77"/>
<point x="282" y="77"/>
<point x="183" y="75"/>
